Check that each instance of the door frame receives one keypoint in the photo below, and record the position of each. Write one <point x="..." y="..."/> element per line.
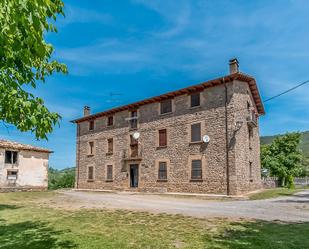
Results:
<point x="137" y="166"/>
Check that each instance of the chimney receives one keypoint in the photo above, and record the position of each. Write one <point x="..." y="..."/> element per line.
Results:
<point x="86" y="111"/>
<point x="234" y="66"/>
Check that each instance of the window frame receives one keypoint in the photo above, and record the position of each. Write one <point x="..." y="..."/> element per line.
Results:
<point x="191" y="133"/>
<point x="109" y="124"/>
<point x="199" y="99"/>
<point x="8" y="175"/>
<point x="110" y="149"/>
<point x="91" y="148"/>
<point x="198" y="177"/>
<point x="159" y="138"/>
<point x="91" y="125"/>
<point x="11" y="160"/>
<point x="164" y="178"/>
<point x="161" y="106"/>
<point x="88" y="174"/>
<point x="133" y="121"/>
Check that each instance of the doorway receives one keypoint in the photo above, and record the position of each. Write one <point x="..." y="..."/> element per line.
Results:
<point x="134" y="175"/>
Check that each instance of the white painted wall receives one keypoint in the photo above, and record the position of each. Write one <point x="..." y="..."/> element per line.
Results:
<point x="32" y="169"/>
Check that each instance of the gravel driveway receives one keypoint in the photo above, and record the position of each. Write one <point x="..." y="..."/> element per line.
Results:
<point x="293" y="208"/>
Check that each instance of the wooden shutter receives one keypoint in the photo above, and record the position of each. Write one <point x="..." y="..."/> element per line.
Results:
<point x="110" y="120"/>
<point x="196" y="170"/>
<point x="196" y="132"/>
<point x="162" y="137"/>
<point x="195" y="99"/>
<point x="166" y="106"/>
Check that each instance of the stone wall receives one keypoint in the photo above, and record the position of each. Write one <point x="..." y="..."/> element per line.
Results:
<point x="179" y="151"/>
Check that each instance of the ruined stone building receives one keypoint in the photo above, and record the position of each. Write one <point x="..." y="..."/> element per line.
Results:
<point x="23" y="166"/>
<point x="200" y="139"/>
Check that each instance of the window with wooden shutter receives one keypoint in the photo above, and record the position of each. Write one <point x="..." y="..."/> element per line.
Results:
<point x="109" y="175"/>
<point x="196" y="170"/>
<point x="91" y="148"/>
<point x="91" y="125"/>
<point x="90" y="173"/>
<point x="110" y="121"/>
<point x="196" y="132"/>
<point x="133" y="121"/>
<point x="162" y="171"/>
<point x="195" y="99"/>
<point x="166" y="106"/>
<point x="162" y="138"/>
<point x="110" y="145"/>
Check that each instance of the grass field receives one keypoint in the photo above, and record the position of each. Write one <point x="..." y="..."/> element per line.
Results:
<point x="272" y="193"/>
<point x="26" y="224"/>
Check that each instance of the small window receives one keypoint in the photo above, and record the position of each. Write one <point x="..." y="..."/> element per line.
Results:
<point x="195" y="99"/>
<point x="11" y="157"/>
<point x="133" y="146"/>
<point x="12" y="174"/>
<point x="90" y="173"/>
<point x="196" y="170"/>
<point x="250" y="131"/>
<point x="250" y="170"/>
<point x="109" y="171"/>
<point x="91" y="125"/>
<point x="91" y="148"/>
<point x="110" y="121"/>
<point x="196" y="132"/>
<point x="162" y="138"/>
<point x="133" y="121"/>
<point x="162" y="171"/>
<point x="110" y="145"/>
<point x="166" y="106"/>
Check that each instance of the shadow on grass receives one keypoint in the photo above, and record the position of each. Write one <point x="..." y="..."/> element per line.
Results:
<point x="263" y="235"/>
<point x="5" y="206"/>
<point x="31" y="235"/>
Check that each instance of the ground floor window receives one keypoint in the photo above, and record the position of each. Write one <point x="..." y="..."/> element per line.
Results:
<point x="196" y="169"/>
<point x="12" y="174"/>
<point x="162" y="171"/>
<point x="109" y="175"/>
<point x="90" y="173"/>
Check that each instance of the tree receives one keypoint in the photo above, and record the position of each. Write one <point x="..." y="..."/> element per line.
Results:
<point x="25" y="59"/>
<point x="61" y="178"/>
<point x="283" y="158"/>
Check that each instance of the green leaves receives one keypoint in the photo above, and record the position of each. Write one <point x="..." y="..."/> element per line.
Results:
<point x="25" y="59"/>
<point x="283" y="157"/>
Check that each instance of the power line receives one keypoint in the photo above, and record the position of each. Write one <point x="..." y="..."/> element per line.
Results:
<point x="287" y="91"/>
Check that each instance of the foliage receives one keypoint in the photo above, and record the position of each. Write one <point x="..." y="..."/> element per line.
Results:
<point x="27" y="223"/>
<point x="283" y="158"/>
<point x="303" y="146"/>
<point x="61" y="178"/>
<point x="25" y="58"/>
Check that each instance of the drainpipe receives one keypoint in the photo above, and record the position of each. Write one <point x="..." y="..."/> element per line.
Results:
<point x="227" y="141"/>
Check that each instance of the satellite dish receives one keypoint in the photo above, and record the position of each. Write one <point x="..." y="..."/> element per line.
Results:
<point x="206" y="139"/>
<point x="136" y="135"/>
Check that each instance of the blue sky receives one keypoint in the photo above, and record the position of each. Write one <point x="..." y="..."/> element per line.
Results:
<point x="136" y="49"/>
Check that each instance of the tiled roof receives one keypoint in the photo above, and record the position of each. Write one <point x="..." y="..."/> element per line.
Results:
<point x="6" y="144"/>
<point x="199" y="87"/>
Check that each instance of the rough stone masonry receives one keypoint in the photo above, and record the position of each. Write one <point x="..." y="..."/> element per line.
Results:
<point x="157" y="145"/>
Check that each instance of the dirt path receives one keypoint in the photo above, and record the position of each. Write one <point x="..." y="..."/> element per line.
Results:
<point x="294" y="208"/>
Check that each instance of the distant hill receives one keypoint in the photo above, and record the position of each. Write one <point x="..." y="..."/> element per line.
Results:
<point x="304" y="145"/>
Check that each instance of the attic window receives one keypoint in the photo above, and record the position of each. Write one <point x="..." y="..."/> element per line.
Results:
<point x="110" y="121"/>
<point x="11" y="157"/>
<point x="166" y="106"/>
<point x="91" y="125"/>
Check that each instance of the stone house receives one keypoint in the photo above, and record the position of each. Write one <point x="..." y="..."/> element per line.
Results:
<point x="23" y="166"/>
<point x="200" y="139"/>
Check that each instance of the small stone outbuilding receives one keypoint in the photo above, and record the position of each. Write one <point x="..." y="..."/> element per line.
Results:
<point x="23" y="167"/>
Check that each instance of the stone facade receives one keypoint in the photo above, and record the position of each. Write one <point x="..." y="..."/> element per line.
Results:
<point x="26" y="169"/>
<point x="239" y="174"/>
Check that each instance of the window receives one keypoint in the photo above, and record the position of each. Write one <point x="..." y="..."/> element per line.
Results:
<point x="133" y="121"/>
<point x="250" y="170"/>
<point x="12" y="174"/>
<point x="109" y="172"/>
<point x="133" y="146"/>
<point x="162" y="171"/>
<point x="196" y="132"/>
<point x="195" y="99"/>
<point x="196" y="170"/>
<point x="90" y="173"/>
<point x="91" y="125"/>
<point x="11" y="157"/>
<point x="250" y="131"/>
<point x="110" y="121"/>
<point x="162" y="138"/>
<point x="110" y="145"/>
<point x="91" y="148"/>
<point x="166" y="106"/>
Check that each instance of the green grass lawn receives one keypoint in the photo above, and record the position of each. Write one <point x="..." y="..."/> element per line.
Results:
<point x="26" y="224"/>
<point x="272" y="193"/>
